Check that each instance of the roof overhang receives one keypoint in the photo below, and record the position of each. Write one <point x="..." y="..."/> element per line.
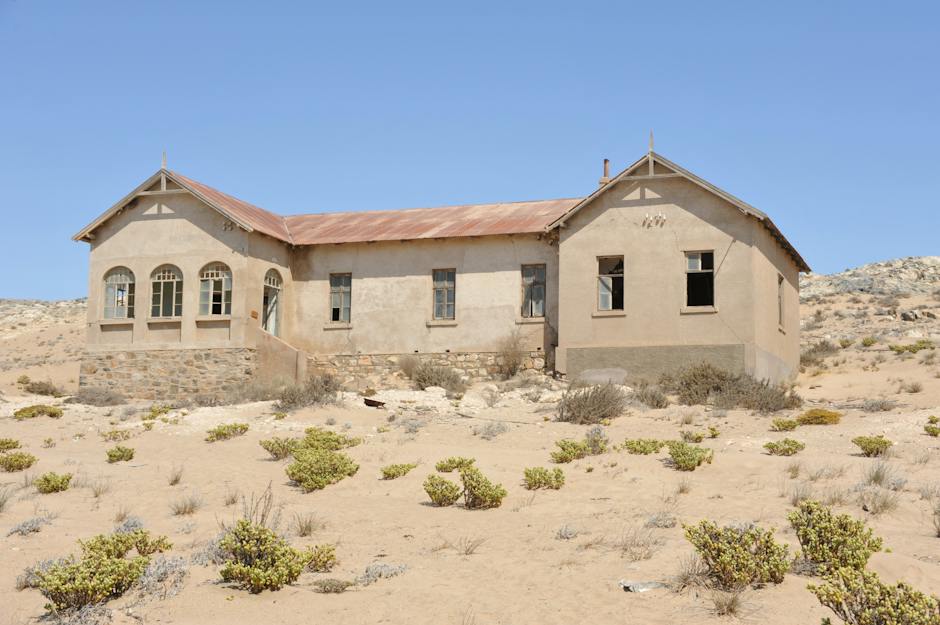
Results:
<point x="649" y="160"/>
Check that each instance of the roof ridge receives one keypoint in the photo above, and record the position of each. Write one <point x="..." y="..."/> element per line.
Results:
<point x="423" y="208"/>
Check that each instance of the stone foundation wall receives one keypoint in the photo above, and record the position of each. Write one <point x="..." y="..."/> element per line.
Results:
<point x="169" y="374"/>
<point x="352" y="369"/>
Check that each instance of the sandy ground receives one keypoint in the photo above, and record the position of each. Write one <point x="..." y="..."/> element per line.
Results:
<point x="521" y="573"/>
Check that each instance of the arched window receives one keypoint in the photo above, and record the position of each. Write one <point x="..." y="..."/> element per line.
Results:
<point x="270" y="302"/>
<point x="119" y="294"/>
<point x="215" y="290"/>
<point x="166" y="298"/>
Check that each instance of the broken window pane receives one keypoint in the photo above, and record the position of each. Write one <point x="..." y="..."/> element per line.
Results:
<point x="533" y="291"/>
<point x="340" y="297"/>
<point x="610" y="283"/>
<point x="700" y="279"/>
<point x="445" y="293"/>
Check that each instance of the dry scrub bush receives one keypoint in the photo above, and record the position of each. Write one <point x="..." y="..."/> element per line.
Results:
<point x="592" y="404"/>
<point x="8" y="444"/>
<point x="393" y="471"/>
<point x="688" y="436"/>
<point x="705" y="383"/>
<point x="878" y="405"/>
<point x="442" y="492"/>
<point x="38" y="387"/>
<point x="539" y="477"/>
<point x="37" y="410"/>
<point x="322" y="558"/>
<point x="510" y="354"/>
<point x="16" y="461"/>
<point x="480" y="492"/>
<point x="832" y="541"/>
<point x="427" y="374"/>
<point x="453" y="463"/>
<point x="651" y="396"/>
<point x="258" y="559"/>
<point x="819" y="416"/>
<point x="739" y="556"/>
<point x="859" y="597"/>
<point x="408" y="364"/>
<point x="94" y="396"/>
<point x="643" y="446"/>
<point x="119" y="453"/>
<point x="868" y="341"/>
<point x="783" y="425"/>
<point x="280" y="447"/>
<point x="102" y="573"/>
<point x="786" y="447"/>
<point x="185" y="506"/>
<point x="637" y="543"/>
<point x="687" y="457"/>
<point x="332" y="586"/>
<point x="726" y="603"/>
<point x="817" y="352"/>
<point x="52" y="482"/>
<point x="226" y="431"/>
<point x="116" y="436"/>
<point x="872" y="446"/>
<point x="317" y="468"/>
<point x="317" y="390"/>
<point x="877" y="500"/>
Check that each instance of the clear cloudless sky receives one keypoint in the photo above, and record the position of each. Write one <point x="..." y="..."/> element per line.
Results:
<point x="826" y="115"/>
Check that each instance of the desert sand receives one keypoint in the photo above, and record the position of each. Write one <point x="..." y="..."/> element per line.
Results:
<point x="520" y="571"/>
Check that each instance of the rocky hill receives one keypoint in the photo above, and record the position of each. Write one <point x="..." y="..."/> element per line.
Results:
<point x="902" y="276"/>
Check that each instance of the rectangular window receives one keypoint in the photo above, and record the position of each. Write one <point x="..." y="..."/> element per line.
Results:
<point x="780" y="300"/>
<point x="445" y="287"/>
<point x="610" y="283"/>
<point x="340" y="297"/>
<point x="533" y="291"/>
<point x="700" y="279"/>
<point x="167" y="299"/>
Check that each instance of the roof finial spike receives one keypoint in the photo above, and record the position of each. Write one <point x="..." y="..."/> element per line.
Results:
<point x="651" y="139"/>
<point x="163" y="162"/>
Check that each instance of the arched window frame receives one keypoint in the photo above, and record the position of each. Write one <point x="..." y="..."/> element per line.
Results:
<point x="215" y="290"/>
<point x="119" y="293"/>
<point x="166" y="292"/>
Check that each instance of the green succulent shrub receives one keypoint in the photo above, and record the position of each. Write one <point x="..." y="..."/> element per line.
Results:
<point x="846" y="343"/>
<point x="713" y="432"/>
<point x="52" y="482"/>
<point x="538" y="477"/>
<point x="739" y="556"/>
<point x="832" y="541"/>
<point x="280" y="447"/>
<point x="686" y="457"/>
<point x="688" y="436"/>
<point x="16" y="461"/>
<point x="257" y="559"/>
<point x="932" y="430"/>
<point x="859" y="597"/>
<point x="103" y="571"/>
<point x="643" y="446"/>
<point x="318" y="438"/>
<point x="569" y="450"/>
<point x="912" y="348"/>
<point x="592" y="404"/>
<point x="868" y="341"/>
<point x="315" y="469"/>
<point x="819" y="416"/>
<point x="120" y="453"/>
<point x="786" y="447"/>
<point x="8" y="444"/>
<point x="38" y="410"/>
<point x="872" y="446"/>
<point x="784" y="425"/>
<point x="453" y="463"/>
<point x="442" y="491"/>
<point x="322" y="558"/>
<point x="393" y="471"/>
<point x="478" y="491"/>
<point x="226" y="431"/>
<point x="933" y="420"/>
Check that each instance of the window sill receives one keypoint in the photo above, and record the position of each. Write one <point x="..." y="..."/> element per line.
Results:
<point x="338" y="326"/>
<point x="530" y="320"/>
<point x="440" y="323"/>
<point x="164" y="319"/>
<point x="609" y="313"/>
<point x="213" y="318"/>
<point x="698" y="310"/>
<point x="127" y="321"/>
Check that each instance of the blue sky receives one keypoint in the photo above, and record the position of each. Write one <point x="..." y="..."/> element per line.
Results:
<point x="826" y="115"/>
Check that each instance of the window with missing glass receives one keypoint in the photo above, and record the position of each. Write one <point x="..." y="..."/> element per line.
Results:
<point x="445" y="293"/>
<point x="699" y="279"/>
<point x="215" y="290"/>
<point x="119" y="294"/>
<point x="533" y="291"/>
<point x="610" y="283"/>
<point x="340" y="297"/>
<point x="779" y="300"/>
<point x="166" y="292"/>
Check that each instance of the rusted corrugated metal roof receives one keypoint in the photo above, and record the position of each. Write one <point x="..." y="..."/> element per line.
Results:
<point x="471" y="220"/>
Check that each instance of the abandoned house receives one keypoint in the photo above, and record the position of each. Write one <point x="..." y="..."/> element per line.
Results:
<point x="192" y="290"/>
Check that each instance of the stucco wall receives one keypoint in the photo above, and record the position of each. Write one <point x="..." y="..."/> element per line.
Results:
<point x="617" y="223"/>
<point x="392" y="296"/>
<point x="777" y="353"/>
